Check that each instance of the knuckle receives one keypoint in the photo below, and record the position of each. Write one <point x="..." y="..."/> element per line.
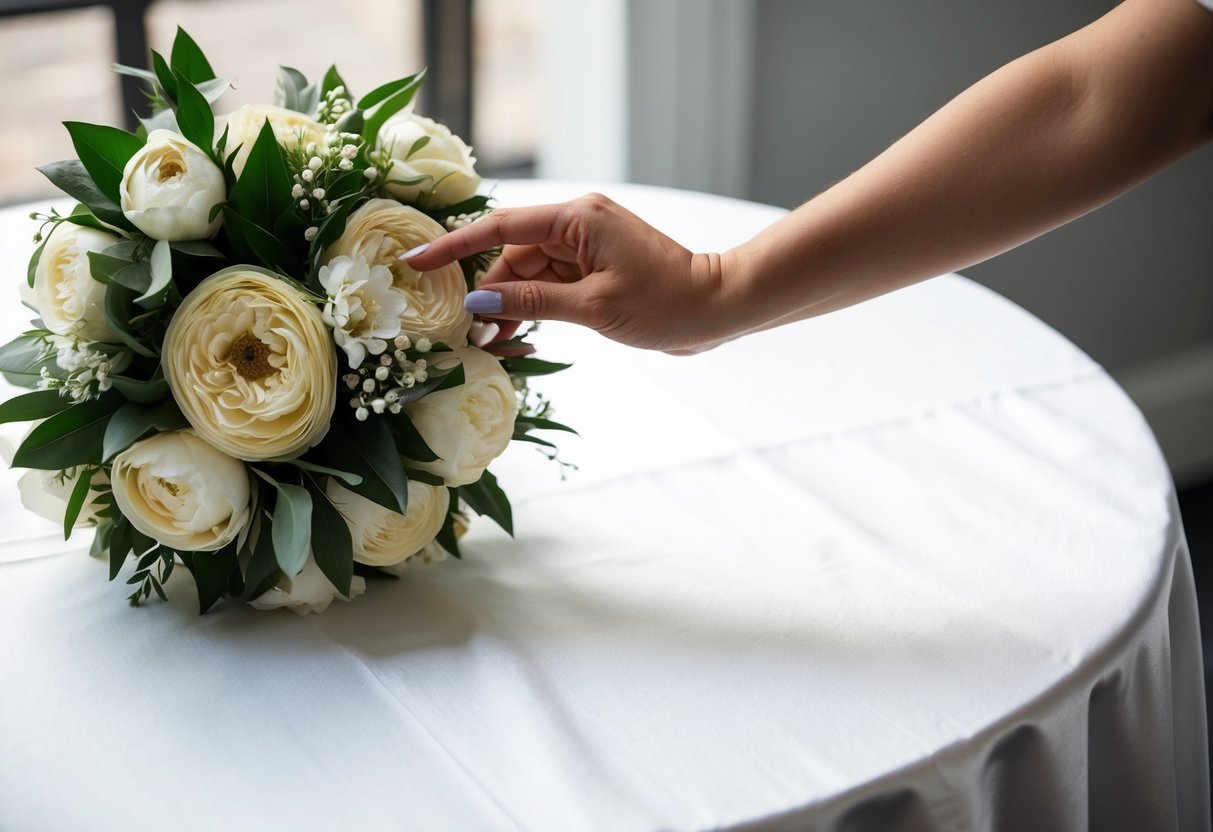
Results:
<point x="595" y="202"/>
<point x="530" y="301"/>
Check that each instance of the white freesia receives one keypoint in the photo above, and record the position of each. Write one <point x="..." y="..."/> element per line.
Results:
<point x="46" y="494"/>
<point x="383" y="537"/>
<point x="69" y="300"/>
<point x="379" y="232"/>
<point x="363" y="309"/>
<point x="180" y="491"/>
<point x="251" y="365"/>
<point x="169" y="188"/>
<point x="443" y="164"/>
<point x="467" y="426"/>
<point x="244" y="125"/>
<point x="309" y="591"/>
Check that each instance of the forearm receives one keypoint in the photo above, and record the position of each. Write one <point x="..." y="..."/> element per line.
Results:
<point x="1040" y="142"/>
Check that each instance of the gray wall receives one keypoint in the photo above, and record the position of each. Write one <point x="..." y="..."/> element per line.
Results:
<point x="836" y="81"/>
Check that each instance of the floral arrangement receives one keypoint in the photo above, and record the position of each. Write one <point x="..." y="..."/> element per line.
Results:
<point x="236" y="371"/>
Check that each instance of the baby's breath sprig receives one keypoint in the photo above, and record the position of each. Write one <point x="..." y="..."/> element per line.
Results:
<point x="87" y="371"/>
<point x="379" y="387"/>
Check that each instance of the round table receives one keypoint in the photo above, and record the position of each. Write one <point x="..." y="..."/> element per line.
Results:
<point x="913" y="565"/>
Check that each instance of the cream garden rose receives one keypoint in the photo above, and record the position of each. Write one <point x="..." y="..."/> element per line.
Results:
<point x="444" y="164"/>
<point x="69" y="300"/>
<point x="180" y="491"/>
<point x="309" y="591"/>
<point x="251" y="364"/>
<point x="244" y="125"/>
<point x="169" y="188"/>
<point x="467" y="426"/>
<point x="378" y="233"/>
<point x="383" y="537"/>
<point x="46" y="494"/>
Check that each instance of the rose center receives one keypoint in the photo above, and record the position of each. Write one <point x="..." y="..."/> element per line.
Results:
<point x="250" y="356"/>
<point x="170" y="487"/>
<point x="170" y="169"/>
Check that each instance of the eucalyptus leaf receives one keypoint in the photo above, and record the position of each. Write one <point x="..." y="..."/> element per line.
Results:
<point x="289" y="92"/>
<point x="118" y="300"/>
<point x="214" y="89"/>
<point x="138" y="390"/>
<point x="292" y="529"/>
<point x="344" y="476"/>
<point x="22" y="359"/>
<point x="196" y="248"/>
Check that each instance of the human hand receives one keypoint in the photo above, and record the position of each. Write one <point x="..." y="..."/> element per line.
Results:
<point x="594" y="263"/>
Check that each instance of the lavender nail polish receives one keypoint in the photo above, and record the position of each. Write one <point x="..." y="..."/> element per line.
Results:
<point x="483" y="302"/>
<point x="413" y="252"/>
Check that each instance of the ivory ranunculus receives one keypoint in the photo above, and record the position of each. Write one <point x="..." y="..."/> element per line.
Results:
<point x="169" y="188"/>
<point x="383" y="537"/>
<point x="378" y="233"/>
<point x="309" y="591"/>
<point x="444" y="164"/>
<point x="251" y="365"/>
<point x="180" y="491"/>
<point x="244" y="125"/>
<point x="46" y="493"/>
<point x="69" y="300"/>
<point x="467" y="426"/>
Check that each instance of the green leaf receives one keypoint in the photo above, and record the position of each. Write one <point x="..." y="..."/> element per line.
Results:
<point x="132" y="422"/>
<point x="252" y="243"/>
<point x="104" y="152"/>
<point x="118" y="313"/>
<point x="21" y="361"/>
<point x="73" y="437"/>
<point x="187" y="59"/>
<point x="385" y="91"/>
<point x="212" y="573"/>
<point x="437" y="380"/>
<point x="119" y="545"/>
<point x="76" y="501"/>
<point x="31" y="271"/>
<point x="263" y="191"/>
<point x="161" y="266"/>
<point x="534" y="422"/>
<point x="292" y="530"/>
<point x="138" y="390"/>
<point x="519" y="436"/>
<point x="294" y="93"/>
<point x="262" y="566"/>
<point x="31" y="406"/>
<point x="214" y="89"/>
<point x="165" y="77"/>
<point x="486" y="498"/>
<point x="389" y="106"/>
<point x="332" y="546"/>
<point x="423" y="476"/>
<point x="331" y="81"/>
<point x="417" y="145"/>
<point x="81" y="216"/>
<point x="196" y="248"/>
<point x="134" y="72"/>
<point x="409" y="441"/>
<point x="368" y="451"/>
<point x="446" y="535"/>
<point x="71" y="177"/>
<point x="194" y="116"/>
<point x="344" y="476"/>
<point x="533" y="367"/>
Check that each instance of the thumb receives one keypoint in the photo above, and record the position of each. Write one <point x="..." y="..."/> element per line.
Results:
<point x="531" y="300"/>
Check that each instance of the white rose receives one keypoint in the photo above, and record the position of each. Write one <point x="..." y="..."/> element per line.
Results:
<point x="309" y="591"/>
<point x="378" y="233"/>
<point x="46" y="493"/>
<point x="252" y="365"/>
<point x="445" y="162"/>
<point x="69" y="300"/>
<point x="467" y="426"/>
<point x="169" y="188"/>
<point x="383" y="537"/>
<point x="180" y="491"/>
<point x="292" y="129"/>
<point x="430" y="553"/>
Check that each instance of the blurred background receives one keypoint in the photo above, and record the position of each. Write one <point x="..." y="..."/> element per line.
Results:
<point x="767" y="100"/>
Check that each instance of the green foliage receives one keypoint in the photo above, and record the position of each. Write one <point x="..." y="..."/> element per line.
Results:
<point x="29" y="407"/>
<point x="71" y="177"/>
<point x="104" y="152"/>
<point x="188" y="61"/>
<point x="22" y="359"/>
<point x="213" y="572"/>
<point x="292" y="527"/>
<point x="368" y="450"/>
<point x="485" y="497"/>
<point x="332" y="546"/>
<point x="72" y="437"/>
<point x="386" y="101"/>
<point x="75" y="502"/>
<point x="133" y="421"/>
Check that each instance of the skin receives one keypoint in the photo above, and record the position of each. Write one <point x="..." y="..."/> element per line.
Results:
<point x="1039" y="142"/>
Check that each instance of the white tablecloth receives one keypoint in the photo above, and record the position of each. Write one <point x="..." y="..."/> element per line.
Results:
<point x="914" y="565"/>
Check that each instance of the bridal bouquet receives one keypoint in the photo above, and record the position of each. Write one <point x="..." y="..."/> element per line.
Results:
<point x="237" y="373"/>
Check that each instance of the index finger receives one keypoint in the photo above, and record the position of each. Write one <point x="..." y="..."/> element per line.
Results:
<point x="503" y="226"/>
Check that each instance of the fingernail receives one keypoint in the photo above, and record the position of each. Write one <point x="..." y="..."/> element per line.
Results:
<point x="482" y="332"/>
<point x="483" y="302"/>
<point x="413" y="252"/>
